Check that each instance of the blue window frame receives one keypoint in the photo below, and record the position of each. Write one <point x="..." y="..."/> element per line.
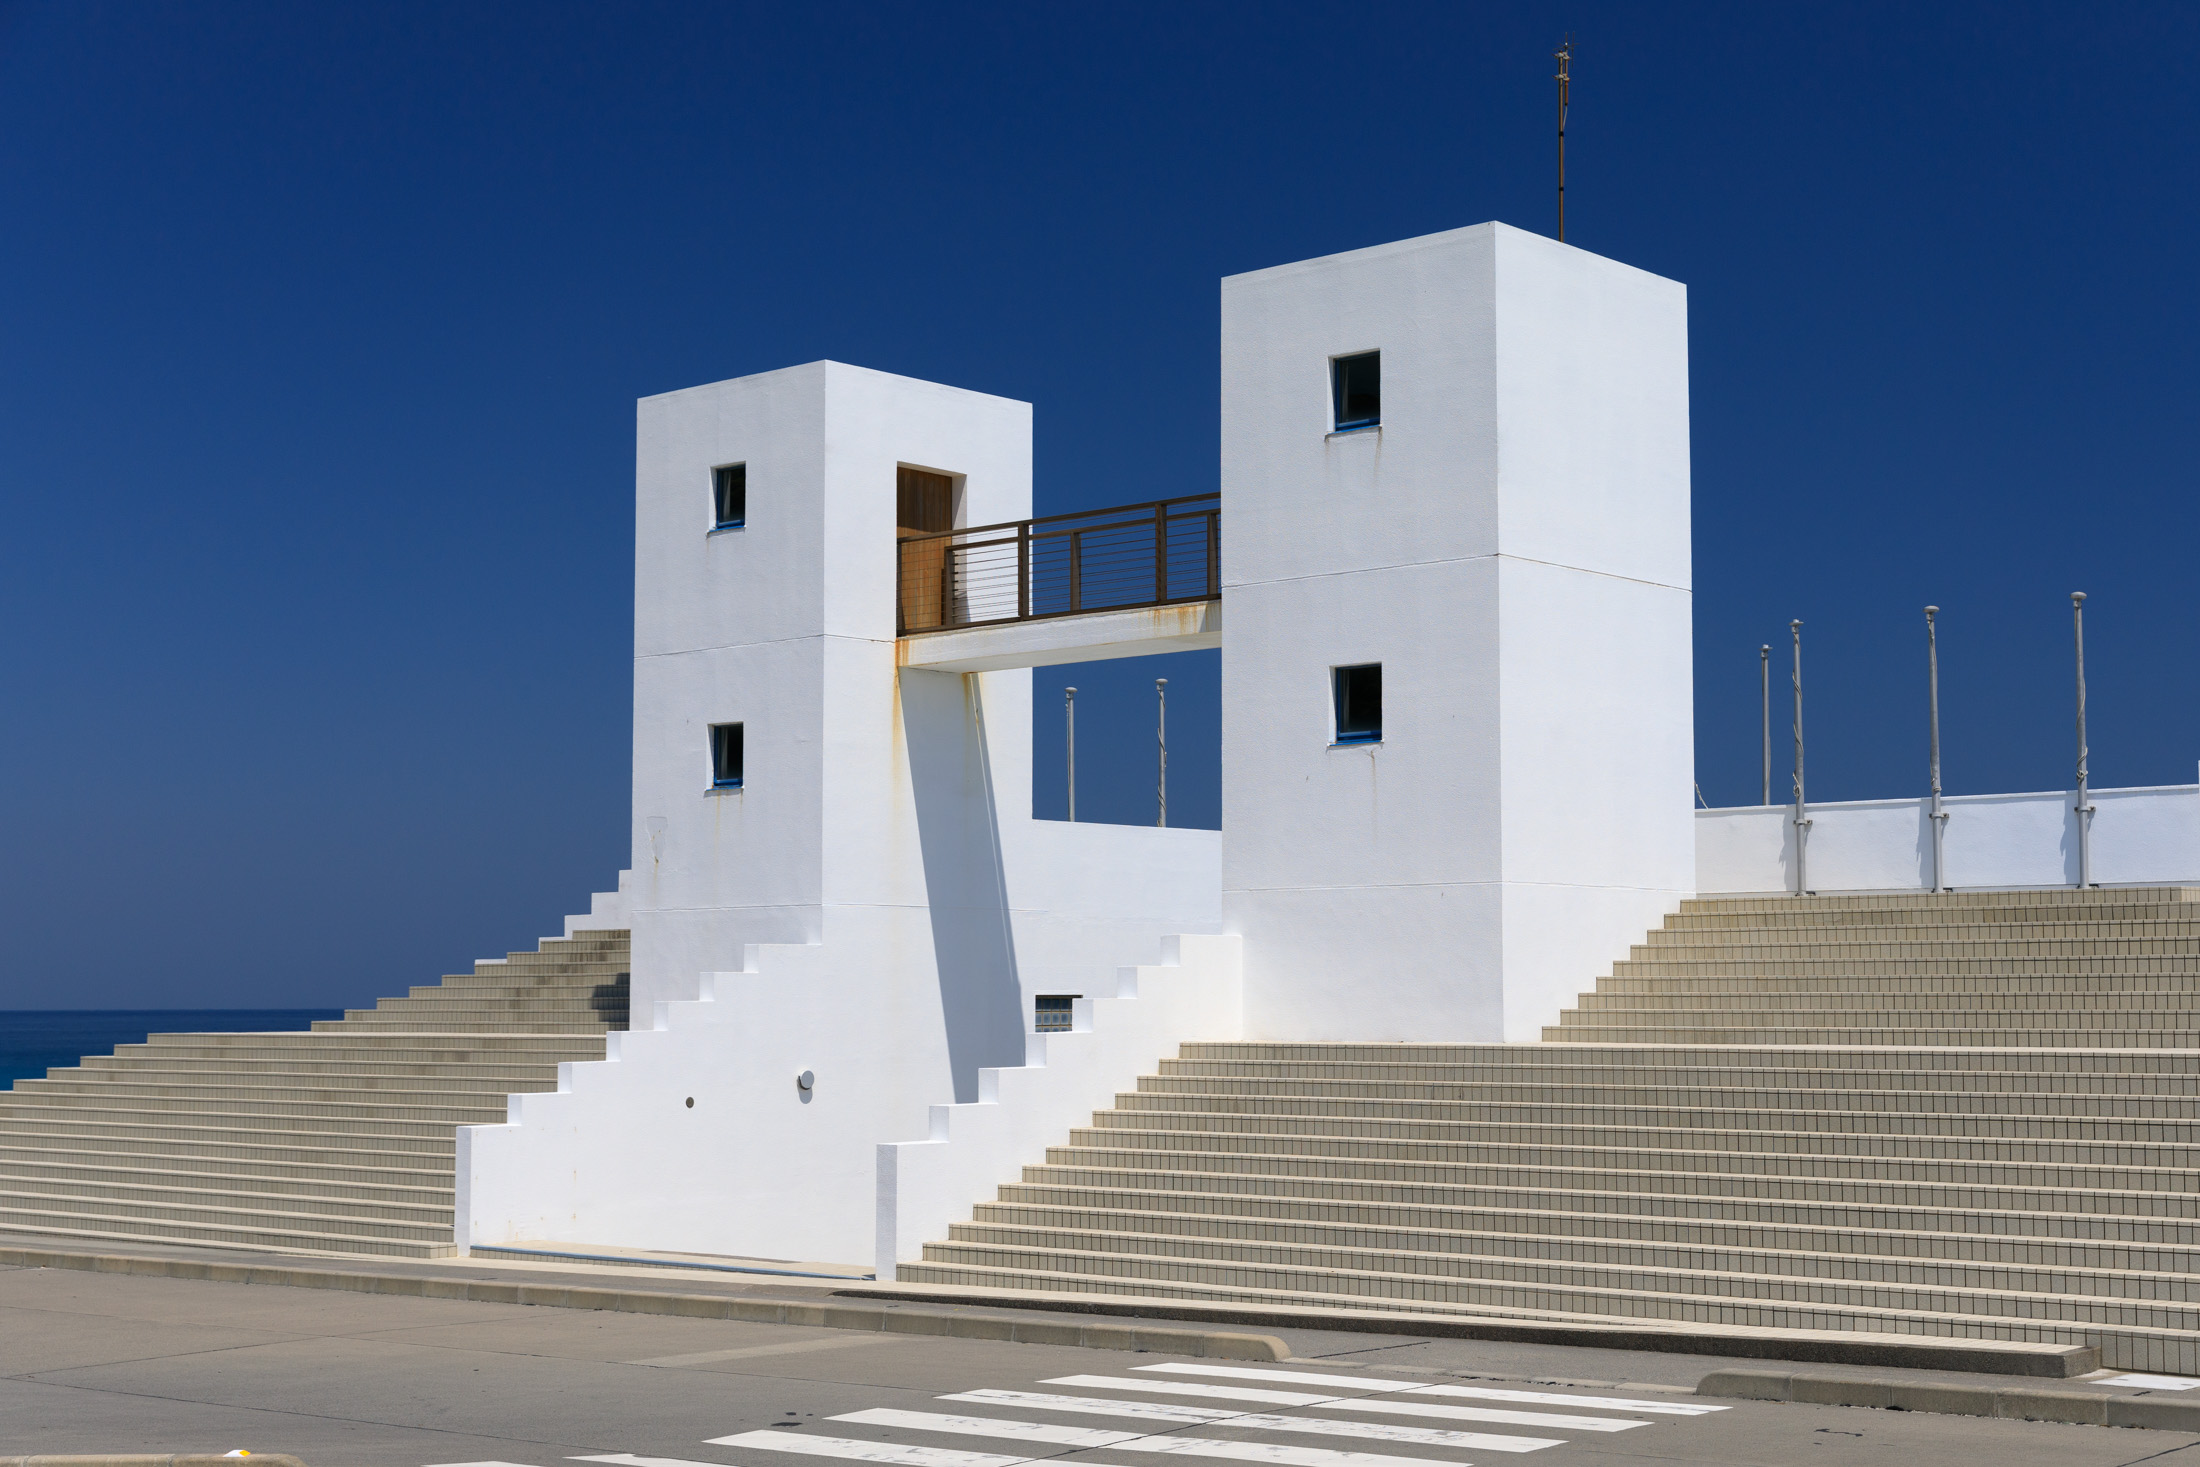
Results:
<point x="1053" y="1013"/>
<point x="1359" y="695"/>
<point x="725" y="756"/>
<point x="730" y="491"/>
<point x="1356" y="390"/>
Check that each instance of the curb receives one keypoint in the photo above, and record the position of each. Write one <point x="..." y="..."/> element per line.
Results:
<point x="2016" y="1403"/>
<point x="181" y="1459"/>
<point x="1812" y="1347"/>
<point x="1208" y="1344"/>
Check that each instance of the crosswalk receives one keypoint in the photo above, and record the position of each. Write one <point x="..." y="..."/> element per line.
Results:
<point x="1167" y="1409"/>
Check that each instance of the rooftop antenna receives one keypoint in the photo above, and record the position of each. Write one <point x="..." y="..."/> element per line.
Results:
<point x="1565" y="58"/>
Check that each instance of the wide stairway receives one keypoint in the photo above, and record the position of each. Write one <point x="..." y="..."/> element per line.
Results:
<point x="340" y="1140"/>
<point x="1958" y="1115"/>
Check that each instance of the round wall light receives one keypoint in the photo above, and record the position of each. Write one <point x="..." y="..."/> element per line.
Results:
<point x="805" y="1081"/>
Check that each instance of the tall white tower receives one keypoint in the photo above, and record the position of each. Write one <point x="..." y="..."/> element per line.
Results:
<point x="1461" y="460"/>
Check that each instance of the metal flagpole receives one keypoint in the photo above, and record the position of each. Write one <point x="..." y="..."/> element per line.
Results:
<point x="1764" y="707"/>
<point x="1932" y="675"/>
<point x="2085" y="807"/>
<point x="1161" y="734"/>
<point x="1069" y="728"/>
<point x="1564" y="56"/>
<point x="1802" y="820"/>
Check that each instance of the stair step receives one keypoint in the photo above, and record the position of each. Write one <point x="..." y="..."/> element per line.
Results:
<point x="1473" y="1229"/>
<point x="1494" y="1281"/>
<point x="1334" y="1155"/>
<point x="2147" y="1349"/>
<point x="339" y="1139"/>
<point x="248" y="1233"/>
<point x="2018" y="1139"/>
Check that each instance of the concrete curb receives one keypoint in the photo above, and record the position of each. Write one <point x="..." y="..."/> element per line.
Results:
<point x="1815" y="1347"/>
<point x="2017" y="1403"/>
<point x="1209" y="1344"/>
<point x="181" y="1459"/>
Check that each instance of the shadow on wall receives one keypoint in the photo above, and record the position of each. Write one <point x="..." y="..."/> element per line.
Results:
<point x="965" y="880"/>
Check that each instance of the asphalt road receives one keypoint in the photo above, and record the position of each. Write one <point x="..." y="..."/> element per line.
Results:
<point x="99" y="1363"/>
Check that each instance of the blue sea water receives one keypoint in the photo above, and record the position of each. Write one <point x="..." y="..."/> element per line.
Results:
<point x="34" y="1040"/>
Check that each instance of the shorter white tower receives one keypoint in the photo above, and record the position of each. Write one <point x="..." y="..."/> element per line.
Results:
<point x="1461" y="460"/>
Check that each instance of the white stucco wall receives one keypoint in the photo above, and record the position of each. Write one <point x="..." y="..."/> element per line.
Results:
<point x="1512" y="545"/>
<point x="2140" y="836"/>
<point x="875" y="905"/>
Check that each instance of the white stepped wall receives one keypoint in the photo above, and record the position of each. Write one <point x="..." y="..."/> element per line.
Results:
<point x="2142" y="836"/>
<point x="608" y="911"/>
<point x="755" y="1168"/>
<point x="924" y="1186"/>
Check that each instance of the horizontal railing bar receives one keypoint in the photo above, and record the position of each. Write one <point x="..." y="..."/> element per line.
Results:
<point x="1090" y="514"/>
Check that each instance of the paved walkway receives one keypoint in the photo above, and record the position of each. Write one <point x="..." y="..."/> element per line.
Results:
<point x="102" y="1363"/>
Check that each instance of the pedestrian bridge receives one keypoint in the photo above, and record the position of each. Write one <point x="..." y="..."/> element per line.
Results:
<point x="1130" y="581"/>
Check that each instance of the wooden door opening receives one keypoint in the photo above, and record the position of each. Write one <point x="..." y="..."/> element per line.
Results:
<point x="925" y="505"/>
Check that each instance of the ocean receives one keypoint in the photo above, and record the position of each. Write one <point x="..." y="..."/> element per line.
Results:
<point x="34" y="1040"/>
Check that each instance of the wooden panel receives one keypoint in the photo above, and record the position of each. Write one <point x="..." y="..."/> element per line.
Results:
<point x="924" y="504"/>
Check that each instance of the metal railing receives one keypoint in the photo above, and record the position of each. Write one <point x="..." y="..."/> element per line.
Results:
<point x="1156" y="554"/>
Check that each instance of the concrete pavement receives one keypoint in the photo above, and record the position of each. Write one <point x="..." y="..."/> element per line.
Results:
<point x="101" y="1363"/>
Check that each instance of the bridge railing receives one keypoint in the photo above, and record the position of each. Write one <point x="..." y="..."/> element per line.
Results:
<point x="1159" y="553"/>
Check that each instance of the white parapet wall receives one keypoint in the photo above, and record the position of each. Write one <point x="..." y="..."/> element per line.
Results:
<point x="1195" y="992"/>
<point x="2141" y="836"/>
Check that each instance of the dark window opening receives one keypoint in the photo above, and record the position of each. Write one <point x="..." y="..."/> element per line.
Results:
<point x="1356" y="389"/>
<point x="1359" y="703"/>
<point x="1052" y="1012"/>
<point x="924" y="502"/>
<point x="725" y="756"/>
<point x="731" y="487"/>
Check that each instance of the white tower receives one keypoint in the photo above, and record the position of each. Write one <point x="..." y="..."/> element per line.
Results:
<point x="1462" y="459"/>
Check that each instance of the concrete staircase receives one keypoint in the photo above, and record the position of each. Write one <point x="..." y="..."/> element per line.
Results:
<point x="339" y="1140"/>
<point x="1962" y="1115"/>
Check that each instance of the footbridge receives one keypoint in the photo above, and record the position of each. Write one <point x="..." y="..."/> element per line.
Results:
<point x="1130" y="581"/>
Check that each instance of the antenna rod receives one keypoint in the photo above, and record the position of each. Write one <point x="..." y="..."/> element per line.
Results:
<point x="1069" y="729"/>
<point x="1161" y="736"/>
<point x="1764" y="709"/>
<point x="1802" y="816"/>
<point x="1564" y="55"/>
<point x="2085" y="806"/>
<point x="1932" y="679"/>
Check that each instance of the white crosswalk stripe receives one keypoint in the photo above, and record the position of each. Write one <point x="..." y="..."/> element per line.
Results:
<point x="1186" y="1388"/>
<point x="1479" y="1393"/>
<point x="1305" y="1425"/>
<point x="1549" y="1421"/>
<point x="1125" y="1441"/>
<point x="1553" y="1398"/>
<point x="1237" y="1399"/>
<point x="846" y="1448"/>
<point x="1031" y="1431"/>
<point x="1101" y="1406"/>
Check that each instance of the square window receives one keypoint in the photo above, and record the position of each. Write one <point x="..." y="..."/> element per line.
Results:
<point x="1359" y="693"/>
<point x="1356" y="389"/>
<point x="725" y="756"/>
<point x="1053" y="1012"/>
<point x="730" y="487"/>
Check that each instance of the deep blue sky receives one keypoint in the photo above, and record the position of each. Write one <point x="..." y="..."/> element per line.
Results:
<point x="321" y="328"/>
